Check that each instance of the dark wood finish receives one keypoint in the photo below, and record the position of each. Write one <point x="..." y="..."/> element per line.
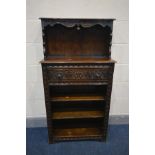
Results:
<point x="77" y="133"/>
<point x="79" y="38"/>
<point x="77" y="41"/>
<point x="77" y="60"/>
<point x="77" y="75"/>
<point x="77" y="98"/>
<point x="77" y="114"/>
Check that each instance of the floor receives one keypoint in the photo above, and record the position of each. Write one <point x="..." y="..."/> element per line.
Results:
<point x="117" y="143"/>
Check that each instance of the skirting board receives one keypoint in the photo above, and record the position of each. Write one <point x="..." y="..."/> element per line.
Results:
<point x="32" y="122"/>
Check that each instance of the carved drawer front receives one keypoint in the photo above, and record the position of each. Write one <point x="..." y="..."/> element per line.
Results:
<point x="78" y="73"/>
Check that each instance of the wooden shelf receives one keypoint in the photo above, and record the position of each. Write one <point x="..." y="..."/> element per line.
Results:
<point x="77" y="114"/>
<point x="77" y="60"/>
<point x="77" y="132"/>
<point x="77" y="98"/>
<point x="79" y="83"/>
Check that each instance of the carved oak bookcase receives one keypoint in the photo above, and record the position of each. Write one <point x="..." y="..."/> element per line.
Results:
<point x="77" y="76"/>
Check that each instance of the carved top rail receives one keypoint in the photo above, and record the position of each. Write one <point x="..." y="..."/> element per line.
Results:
<point x="76" y="22"/>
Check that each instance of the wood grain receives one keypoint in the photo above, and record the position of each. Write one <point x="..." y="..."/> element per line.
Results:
<point x="76" y="98"/>
<point x="77" y="114"/>
<point x="77" y="77"/>
<point x="77" y="132"/>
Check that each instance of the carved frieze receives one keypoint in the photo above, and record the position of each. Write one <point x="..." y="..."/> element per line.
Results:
<point x="78" y="74"/>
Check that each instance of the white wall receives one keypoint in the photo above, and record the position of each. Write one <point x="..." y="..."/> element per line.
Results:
<point x="77" y="9"/>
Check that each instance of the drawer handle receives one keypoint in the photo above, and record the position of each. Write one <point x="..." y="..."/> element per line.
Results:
<point x="60" y="76"/>
<point x="98" y="75"/>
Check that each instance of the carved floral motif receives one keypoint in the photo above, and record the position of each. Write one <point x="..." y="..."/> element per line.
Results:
<point x="77" y="74"/>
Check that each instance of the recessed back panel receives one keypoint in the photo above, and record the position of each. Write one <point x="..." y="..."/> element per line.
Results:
<point x="77" y="40"/>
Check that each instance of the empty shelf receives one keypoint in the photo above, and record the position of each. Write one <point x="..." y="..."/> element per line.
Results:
<point x="77" y="114"/>
<point x="77" y="132"/>
<point x="77" y="98"/>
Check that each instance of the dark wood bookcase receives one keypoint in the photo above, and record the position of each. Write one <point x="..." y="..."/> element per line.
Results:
<point x="77" y="75"/>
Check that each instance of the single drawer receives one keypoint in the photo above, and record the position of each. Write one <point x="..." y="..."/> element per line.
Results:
<point x="78" y="73"/>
